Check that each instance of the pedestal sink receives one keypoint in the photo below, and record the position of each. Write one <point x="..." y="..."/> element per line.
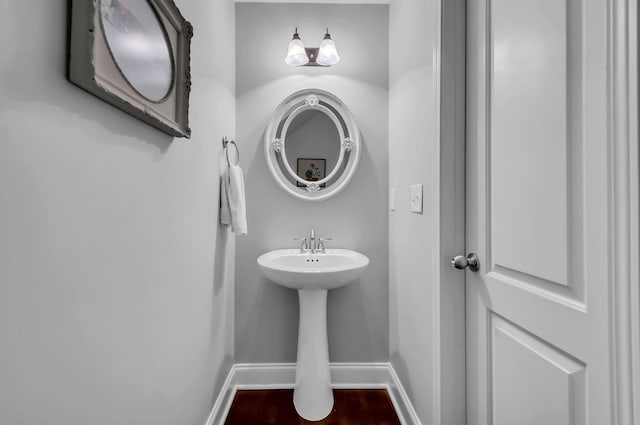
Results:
<point x="312" y="275"/>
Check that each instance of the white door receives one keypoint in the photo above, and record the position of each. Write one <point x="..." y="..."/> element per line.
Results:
<point x="537" y="213"/>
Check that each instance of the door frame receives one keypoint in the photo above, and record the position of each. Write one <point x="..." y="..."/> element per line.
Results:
<point x="624" y="212"/>
<point x="448" y="168"/>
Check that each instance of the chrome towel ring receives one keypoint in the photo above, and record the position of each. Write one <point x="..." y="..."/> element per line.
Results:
<point x="225" y="146"/>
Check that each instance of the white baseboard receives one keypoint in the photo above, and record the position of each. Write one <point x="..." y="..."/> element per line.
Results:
<point x="343" y="376"/>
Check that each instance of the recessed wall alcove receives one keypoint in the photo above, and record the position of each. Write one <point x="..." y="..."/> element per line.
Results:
<point x="356" y="218"/>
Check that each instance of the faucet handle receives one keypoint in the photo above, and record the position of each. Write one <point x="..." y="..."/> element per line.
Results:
<point x="303" y="244"/>
<point x="320" y="246"/>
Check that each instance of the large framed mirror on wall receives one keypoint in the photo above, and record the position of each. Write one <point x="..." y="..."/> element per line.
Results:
<point x="312" y="145"/>
<point x="135" y="55"/>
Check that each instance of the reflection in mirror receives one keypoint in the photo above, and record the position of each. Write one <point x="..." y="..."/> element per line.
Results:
<point x="138" y="45"/>
<point x="312" y="135"/>
<point x="312" y="145"/>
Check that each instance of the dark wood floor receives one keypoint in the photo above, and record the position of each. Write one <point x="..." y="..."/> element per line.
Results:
<point x="275" y="407"/>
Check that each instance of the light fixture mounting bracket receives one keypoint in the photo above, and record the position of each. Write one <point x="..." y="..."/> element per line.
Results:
<point x="312" y="54"/>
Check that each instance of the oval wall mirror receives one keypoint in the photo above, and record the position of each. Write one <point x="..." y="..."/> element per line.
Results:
<point x="139" y="46"/>
<point x="312" y="145"/>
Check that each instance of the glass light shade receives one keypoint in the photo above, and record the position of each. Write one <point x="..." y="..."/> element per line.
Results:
<point x="296" y="55"/>
<point x="327" y="54"/>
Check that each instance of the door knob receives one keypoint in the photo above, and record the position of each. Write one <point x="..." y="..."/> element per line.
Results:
<point x="461" y="262"/>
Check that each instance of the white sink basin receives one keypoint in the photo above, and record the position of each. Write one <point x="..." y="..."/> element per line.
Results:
<point x="332" y="269"/>
<point x="312" y="275"/>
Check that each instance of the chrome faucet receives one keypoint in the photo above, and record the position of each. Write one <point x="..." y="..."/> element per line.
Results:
<point x="312" y="244"/>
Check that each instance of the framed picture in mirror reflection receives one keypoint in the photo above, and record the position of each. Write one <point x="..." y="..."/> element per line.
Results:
<point x="311" y="169"/>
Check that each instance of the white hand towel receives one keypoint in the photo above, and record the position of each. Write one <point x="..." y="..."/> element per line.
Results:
<point x="225" y="211"/>
<point x="234" y="209"/>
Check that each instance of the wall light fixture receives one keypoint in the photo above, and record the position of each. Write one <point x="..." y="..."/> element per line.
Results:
<point x="325" y="55"/>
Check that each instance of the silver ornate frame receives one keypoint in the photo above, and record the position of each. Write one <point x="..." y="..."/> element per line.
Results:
<point x="275" y="143"/>
<point x="92" y="67"/>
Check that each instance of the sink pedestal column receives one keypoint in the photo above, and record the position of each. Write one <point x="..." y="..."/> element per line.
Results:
<point x="312" y="394"/>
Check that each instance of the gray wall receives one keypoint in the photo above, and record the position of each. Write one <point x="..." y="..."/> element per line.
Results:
<point x="116" y="304"/>
<point x="426" y="145"/>
<point x="412" y="157"/>
<point x="266" y="314"/>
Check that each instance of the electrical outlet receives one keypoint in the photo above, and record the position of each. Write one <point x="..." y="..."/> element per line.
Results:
<point x="416" y="198"/>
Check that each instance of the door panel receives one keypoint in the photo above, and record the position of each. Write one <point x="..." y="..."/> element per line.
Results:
<point x="537" y="196"/>
<point x="535" y="383"/>
<point x="528" y="145"/>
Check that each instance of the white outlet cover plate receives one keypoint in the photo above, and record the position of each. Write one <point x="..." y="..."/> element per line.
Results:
<point x="416" y="198"/>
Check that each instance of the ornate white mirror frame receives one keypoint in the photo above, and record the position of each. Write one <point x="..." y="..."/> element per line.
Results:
<point x="276" y="139"/>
